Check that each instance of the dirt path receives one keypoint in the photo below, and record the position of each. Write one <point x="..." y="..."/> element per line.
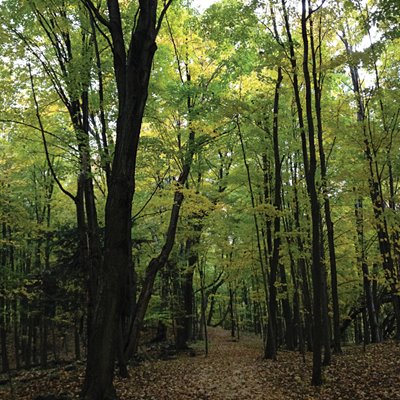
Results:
<point x="231" y="371"/>
<point x="236" y="371"/>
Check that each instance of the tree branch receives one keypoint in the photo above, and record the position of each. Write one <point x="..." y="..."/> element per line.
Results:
<point x="11" y="121"/>
<point x="163" y="12"/>
<point x="49" y="163"/>
<point x="91" y="7"/>
<point x="135" y="217"/>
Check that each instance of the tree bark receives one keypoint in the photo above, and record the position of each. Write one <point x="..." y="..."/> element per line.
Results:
<point x="315" y="209"/>
<point x="376" y="195"/>
<point x="369" y="298"/>
<point x="271" y="345"/>
<point x="317" y="80"/>
<point x="132" y="73"/>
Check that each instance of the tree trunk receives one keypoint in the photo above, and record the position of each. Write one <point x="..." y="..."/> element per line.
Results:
<point x="315" y="209"/>
<point x="317" y="79"/>
<point x="376" y="195"/>
<point x="161" y="334"/>
<point x="132" y="73"/>
<point x="369" y="298"/>
<point x="3" y="328"/>
<point x="17" y="342"/>
<point x="253" y="204"/>
<point x="232" y="312"/>
<point x="271" y="346"/>
<point x="185" y="294"/>
<point x="302" y="267"/>
<point x="287" y="311"/>
<point x="3" y="339"/>
<point x="157" y="263"/>
<point x="203" y="307"/>
<point x="297" y="321"/>
<point x="306" y="161"/>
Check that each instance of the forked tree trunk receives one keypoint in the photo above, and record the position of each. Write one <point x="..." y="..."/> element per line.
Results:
<point x="132" y="72"/>
<point x="159" y="262"/>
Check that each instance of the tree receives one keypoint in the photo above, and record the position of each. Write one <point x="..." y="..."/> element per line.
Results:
<point x="132" y="67"/>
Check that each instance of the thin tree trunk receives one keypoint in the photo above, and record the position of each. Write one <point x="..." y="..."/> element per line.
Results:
<point x="3" y="328"/>
<point x="3" y="339"/>
<point x="271" y="346"/>
<point x="317" y="79"/>
<point x="302" y="267"/>
<point x="315" y="209"/>
<point x="375" y="191"/>
<point x="287" y="311"/>
<point x="256" y="225"/>
<point x="203" y="307"/>
<point x="369" y="298"/>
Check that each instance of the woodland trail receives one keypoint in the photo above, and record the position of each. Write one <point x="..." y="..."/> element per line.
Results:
<point x="233" y="370"/>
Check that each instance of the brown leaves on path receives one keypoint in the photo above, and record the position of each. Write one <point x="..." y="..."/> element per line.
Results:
<point x="229" y="372"/>
<point x="234" y="370"/>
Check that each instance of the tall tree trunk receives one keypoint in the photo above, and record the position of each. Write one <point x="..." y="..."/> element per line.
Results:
<point x="202" y="272"/>
<point x="271" y="346"/>
<point x="376" y="195"/>
<point x="297" y="322"/>
<point x="157" y="263"/>
<point x="317" y="80"/>
<point x="306" y="161"/>
<point x="186" y="294"/>
<point x="302" y="267"/>
<point x="326" y="321"/>
<point x="3" y="328"/>
<point x="132" y="72"/>
<point x="161" y="334"/>
<point x="256" y="224"/>
<point x="287" y="310"/>
<point x="315" y="208"/>
<point x="232" y="312"/>
<point x="369" y="298"/>
<point x="3" y="339"/>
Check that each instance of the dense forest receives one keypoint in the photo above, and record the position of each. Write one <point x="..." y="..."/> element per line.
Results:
<point x="166" y="171"/>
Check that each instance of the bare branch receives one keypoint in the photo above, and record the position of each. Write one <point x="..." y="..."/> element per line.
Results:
<point x="92" y="8"/>
<point x="177" y="56"/>
<point x="94" y="21"/>
<point x="163" y="12"/>
<point x="46" y="149"/>
<point x="11" y="121"/>
<point x="135" y="217"/>
<point x="312" y="11"/>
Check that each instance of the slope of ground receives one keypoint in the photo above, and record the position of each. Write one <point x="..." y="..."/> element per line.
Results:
<point x="232" y="371"/>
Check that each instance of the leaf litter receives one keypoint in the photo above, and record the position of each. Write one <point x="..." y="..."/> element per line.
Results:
<point x="233" y="370"/>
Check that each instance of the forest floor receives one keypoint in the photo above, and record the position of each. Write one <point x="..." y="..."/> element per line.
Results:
<point x="233" y="370"/>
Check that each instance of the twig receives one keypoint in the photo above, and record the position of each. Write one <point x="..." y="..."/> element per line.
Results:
<point x="151" y="196"/>
<point x="163" y="12"/>
<point x="49" y="163"/>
